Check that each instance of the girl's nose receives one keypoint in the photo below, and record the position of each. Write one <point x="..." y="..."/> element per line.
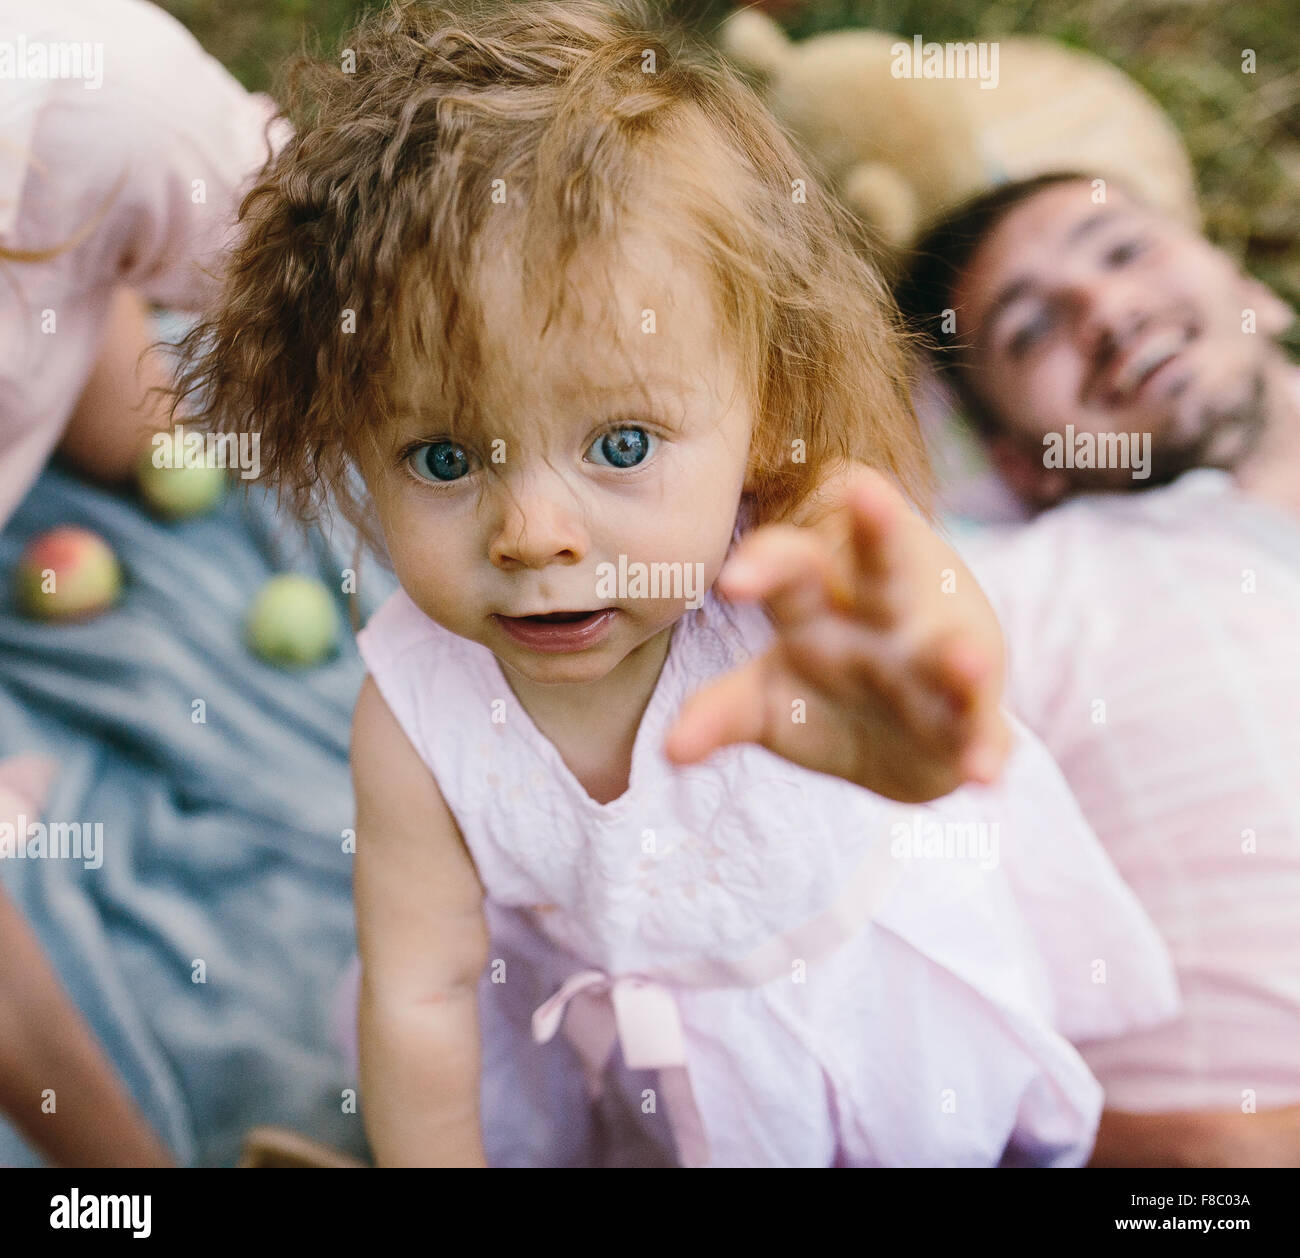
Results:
<point x="538" y="528"/>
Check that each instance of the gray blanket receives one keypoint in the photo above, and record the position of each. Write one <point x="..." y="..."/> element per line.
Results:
<point x="222" y="840"/>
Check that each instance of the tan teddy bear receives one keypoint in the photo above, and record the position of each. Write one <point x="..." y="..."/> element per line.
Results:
<point x="907" y="128"/>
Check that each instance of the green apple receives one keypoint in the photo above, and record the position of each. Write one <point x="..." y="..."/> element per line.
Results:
<point x="293" y="621"/>
<point x="68" y="573"/>
<point x="180" y="492"/>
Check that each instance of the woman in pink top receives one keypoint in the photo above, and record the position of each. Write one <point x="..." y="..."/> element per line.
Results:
<point x="116" y="188"/>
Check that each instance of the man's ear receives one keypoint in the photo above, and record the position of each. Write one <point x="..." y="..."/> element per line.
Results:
<point x="1272" y="315"/>
<point x="1024" y="474"/>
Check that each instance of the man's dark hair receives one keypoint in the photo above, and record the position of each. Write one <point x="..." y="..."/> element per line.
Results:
<point x="935" y="264"/>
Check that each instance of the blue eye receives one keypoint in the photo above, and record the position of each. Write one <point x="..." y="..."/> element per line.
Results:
<point x="439" y="461"/>
<point x="621" y="447"/>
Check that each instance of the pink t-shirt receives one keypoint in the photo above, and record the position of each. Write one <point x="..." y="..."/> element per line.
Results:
<point x="1153" y="641"/>
<point x="154" y="130"/>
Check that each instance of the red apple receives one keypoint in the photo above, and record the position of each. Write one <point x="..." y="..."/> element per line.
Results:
<point x="68" y="573"/>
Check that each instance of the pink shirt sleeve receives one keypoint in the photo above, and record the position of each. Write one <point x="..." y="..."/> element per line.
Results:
<point x="141" y="161"/>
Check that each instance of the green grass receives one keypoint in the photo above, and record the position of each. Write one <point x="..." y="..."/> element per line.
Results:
<point x="1243" y="131"/>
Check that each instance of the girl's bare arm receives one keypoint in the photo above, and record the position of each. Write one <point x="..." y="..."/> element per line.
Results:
<point x="56" y="1084"/>
<point x="423" y="942"/>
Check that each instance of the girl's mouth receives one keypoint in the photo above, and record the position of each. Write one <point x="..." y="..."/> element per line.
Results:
<point x="559" y="631"/>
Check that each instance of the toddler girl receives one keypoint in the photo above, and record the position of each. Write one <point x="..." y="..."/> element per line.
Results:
<point x="551" y="307"/>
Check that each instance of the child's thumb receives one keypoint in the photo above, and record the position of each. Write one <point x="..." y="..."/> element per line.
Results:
<point x="729" y="710"/>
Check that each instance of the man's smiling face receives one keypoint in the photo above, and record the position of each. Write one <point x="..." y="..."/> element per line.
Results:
<point x="1112" y="318"/>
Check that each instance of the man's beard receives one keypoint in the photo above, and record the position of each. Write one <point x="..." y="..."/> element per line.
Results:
<point x="1208" y="447"/>
<point x="1246" y="422"/>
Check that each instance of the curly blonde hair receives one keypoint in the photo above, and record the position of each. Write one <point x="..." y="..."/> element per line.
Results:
<point x="593" y="114"/>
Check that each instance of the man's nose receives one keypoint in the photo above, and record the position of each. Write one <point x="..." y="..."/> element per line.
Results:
<point x="539" y="523"/>
<point x="1111" y="312"/>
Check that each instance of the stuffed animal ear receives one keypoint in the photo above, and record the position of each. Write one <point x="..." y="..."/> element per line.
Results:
<point x="754" y="41"/>
<point x="24" y="783"/>
<point x="880" y="196"/>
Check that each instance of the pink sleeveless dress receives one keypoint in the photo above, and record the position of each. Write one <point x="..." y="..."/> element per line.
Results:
<point x="757" y="965"/>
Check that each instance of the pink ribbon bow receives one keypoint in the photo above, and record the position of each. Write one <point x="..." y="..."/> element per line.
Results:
<point x="642" y="1016"/>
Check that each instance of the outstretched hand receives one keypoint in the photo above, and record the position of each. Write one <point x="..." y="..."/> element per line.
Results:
<point x="887" y="668"/>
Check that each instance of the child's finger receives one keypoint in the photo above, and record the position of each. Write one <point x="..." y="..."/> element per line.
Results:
<point x="788" y="568"/>
<point x="958" y="669"/>
<point x="983" y="758"/>
<point x="863" y="669"/>
<point x="875" y="518"/>
<point x="945" y="696"/>
<point x="729" y="710"/>
<point x="878" y="520"/>
<point x="982" y="762"/>
<point x="964" y="673"/>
